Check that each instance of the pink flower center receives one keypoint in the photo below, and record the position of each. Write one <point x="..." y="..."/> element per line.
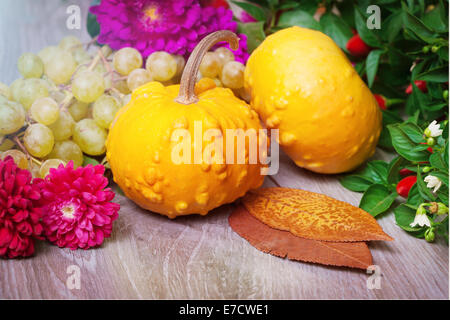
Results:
<point x="150" y="14"/>
<point x="68" y="210"/>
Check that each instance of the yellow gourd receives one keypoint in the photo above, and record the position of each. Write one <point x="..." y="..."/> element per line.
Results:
<point x="140" y="143"/>
<point x="301" y="83"/>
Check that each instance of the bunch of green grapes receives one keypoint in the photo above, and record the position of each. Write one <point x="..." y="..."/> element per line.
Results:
<point x="61" y="109"/>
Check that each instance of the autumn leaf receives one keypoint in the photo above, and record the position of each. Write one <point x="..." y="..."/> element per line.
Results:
<point x="284" y="244"/>
<point x="312" y="215"/>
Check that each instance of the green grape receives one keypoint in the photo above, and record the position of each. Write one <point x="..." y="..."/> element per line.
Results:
<point x="38" y="140"/>
<point x="5" y="91"/>
<point x="122" y="86"/>
<point x="31" y="90"/>
<point x="12" y="117"/>
<point x="106" y="51"/>
<point x="57" y="95"/>
<point x="30" y="66"/>
<point x="180" y="64"/>
<point x="60" y="67"/>
<point x="20" y="159"/>
<point x="45" y="110"/>
<point x="104" y="110"/>
<point x="224" y="55"/>
<point x="210" y="65"/>
<point x="233" y="75"/>
<point x="90" y="137"/>
<point x="81" y="56"/>
<point x="126" y="99"/>
<point x="34" y="169"/>
<point x="218" y="82"/>
<point x="126" y="60"/>
<point x="161" y="65"/>
<point x="44" y="170"/>
<point x="88" y="86"/>
<point x="47" y="53"/>
<point x="118" y="84"/>
<point x="78" y="110"/>
<point x="63" y="127"/>
<point x="138" y="77"/>
<point x="16" y="88"/>
<point x="67" y="150"/>
<point x="69" y="43"/>
<point x="5" y="144"/>
<point x="100" y="68"/>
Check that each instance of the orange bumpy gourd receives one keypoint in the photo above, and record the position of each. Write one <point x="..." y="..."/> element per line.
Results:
<point x="141" y="144"/>
<point x="301" y="83"/>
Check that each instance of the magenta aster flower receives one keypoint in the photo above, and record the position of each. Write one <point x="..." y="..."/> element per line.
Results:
<point x="174" y="26"/>
<point x="20" y="214"/>
<point x="78" y="212"/>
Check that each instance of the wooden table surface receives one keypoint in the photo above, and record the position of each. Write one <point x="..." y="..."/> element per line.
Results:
<point x="152" y="257"/>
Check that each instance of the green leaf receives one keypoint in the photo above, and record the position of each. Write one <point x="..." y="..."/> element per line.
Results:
<point x="435" y="19"/>
<point x="437" y="161"/>
<point x="389" y="117"/>
<point x="377" y="199"/>
<point x="299" y="18"/>
<point x="355" y="183"/>
<point x="442" y="229"/>
<point x="88" y="160"/>
<point x="418" y="28"/>
<point x="391" y="27"/>
<point x="434" y="75"/>
<point x="379" y="169"/>
<point x="422" y="187"/>
<point x="336" y="28"/>
<point x="93" y="27"/>
<point x="366" y="34"/>
<point x="254" y="32"/>
<point x="255" y="11"/>
<point x="443" y="196"/>
<point x="446" y="151"/>
<point x="372" y="61"/>
<point x="404" y="216"/>
<point x="413" y="131"/>
<point x="414" y="197"/>
<point x="403" y="144"/>
<point x="393" y="176"/>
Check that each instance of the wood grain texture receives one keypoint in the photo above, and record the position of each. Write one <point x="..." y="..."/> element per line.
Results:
<point x="152" y="257"/>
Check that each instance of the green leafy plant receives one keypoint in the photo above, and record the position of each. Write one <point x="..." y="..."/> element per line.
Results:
<point x="407" y="66"/>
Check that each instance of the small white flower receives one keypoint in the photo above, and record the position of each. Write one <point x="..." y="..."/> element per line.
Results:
<point x="435" y="129"/>
<point x="421" y="220"/>
<point x="433" y="182"/>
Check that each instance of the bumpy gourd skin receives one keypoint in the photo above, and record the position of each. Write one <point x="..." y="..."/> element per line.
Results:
<point x="302" y="83"/>
<point x="139" y="151"/>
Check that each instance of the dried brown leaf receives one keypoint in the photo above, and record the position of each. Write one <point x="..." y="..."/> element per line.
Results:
<point x="284" y="244"/>
<point x="312" y="215"/>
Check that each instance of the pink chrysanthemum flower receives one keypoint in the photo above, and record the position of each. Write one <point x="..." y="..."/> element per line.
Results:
<point x="19" y="212"/>
<point x="174" y="26"/>
<point x="78" y="212"/>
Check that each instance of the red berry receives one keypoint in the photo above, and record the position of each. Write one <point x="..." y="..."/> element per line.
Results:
<point x="405" y="185"/>
<point x="421" y="85"/>
<point x="406" y="172"/>
<point x="357" y="47"/>
<point x="429" y="149"/>
<point x="214" y="3"/>
<point x="381" y="101"/>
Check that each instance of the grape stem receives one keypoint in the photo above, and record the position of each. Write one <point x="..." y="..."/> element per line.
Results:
<point x="24" y="150"/>
<point x="107" y="50"/>
<point x="187" y="84"/>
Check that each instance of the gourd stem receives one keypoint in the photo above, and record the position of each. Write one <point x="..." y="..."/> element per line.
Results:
<point x="187" y="84"/>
